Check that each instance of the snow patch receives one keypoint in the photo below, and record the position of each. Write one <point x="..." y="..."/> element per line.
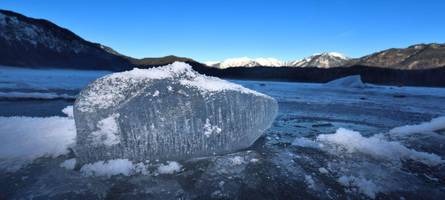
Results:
<point x="109" y="168"/>
<point x="377" y="147"/>
<point x="338" y="55"/>
<point x="68" y="111"/>
<point x="170" y="168"/>
<point x="156" y="93"/>
<point x="431" y="126"/>
<point x="27" y="138"/>
<point x="354" y="81"/>
<point x="208" y="85"/>
<point x="237" y="160"/>
<point x="118" y="84"/>
<point x="364" y="186"/>
<point x="68" y="164"/>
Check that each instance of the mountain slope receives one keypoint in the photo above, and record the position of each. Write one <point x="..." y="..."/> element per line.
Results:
<point x="30" y="42"/>
<point x="420" y="56"/>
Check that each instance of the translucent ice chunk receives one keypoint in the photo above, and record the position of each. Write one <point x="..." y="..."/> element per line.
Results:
<point x="167" y="113"/>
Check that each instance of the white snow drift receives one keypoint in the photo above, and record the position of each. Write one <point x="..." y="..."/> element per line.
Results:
<point x="27" y="138"/>
<point x="354" y="81"/>
<point x="425" y="127"/>
<point x="109" y="168"/>
<point x="377" y="147"/>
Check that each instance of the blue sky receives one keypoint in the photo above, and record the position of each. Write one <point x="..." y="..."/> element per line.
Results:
<point x="219" y="29"/>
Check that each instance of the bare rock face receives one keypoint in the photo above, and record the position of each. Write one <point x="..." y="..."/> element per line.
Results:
<point x="167" y="113"/>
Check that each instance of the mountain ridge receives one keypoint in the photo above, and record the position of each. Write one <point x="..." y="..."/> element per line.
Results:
<point x="38" y="43"/>
<point x="323" y="60"/>
<point x="30" y="42"/>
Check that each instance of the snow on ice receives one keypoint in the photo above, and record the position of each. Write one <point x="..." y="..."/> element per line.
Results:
<point x="344" y="140"/>
<point x="359" y="174"/>
<point x="170" y="168"/>
<point x="435" y="124"/>
<point x="354" y="81"/>
<point x="68" y="111"/>
<point x="108" y="168"/>
<point x="365" y="186"/>
<point x="27" y="138"/>
<point x="377" y="147"/>
<point x="69" y="164"/>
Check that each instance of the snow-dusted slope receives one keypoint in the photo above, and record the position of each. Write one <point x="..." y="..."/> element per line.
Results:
<point x="323" y="60"/>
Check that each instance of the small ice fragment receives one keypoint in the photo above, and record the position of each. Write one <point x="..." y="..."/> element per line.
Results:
<point x="365" y="186"/>
<point x="156" y="93"/>
<point x="309" y="181"/>
<point x="323" y="170"/>
<point x="304" y="142"/>
<point x="237" y="160"/>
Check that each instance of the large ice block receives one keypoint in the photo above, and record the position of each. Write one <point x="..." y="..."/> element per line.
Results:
<point x="167" y="113"/>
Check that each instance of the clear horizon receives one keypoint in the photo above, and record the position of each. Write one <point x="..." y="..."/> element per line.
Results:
<point x="217" y="30"/>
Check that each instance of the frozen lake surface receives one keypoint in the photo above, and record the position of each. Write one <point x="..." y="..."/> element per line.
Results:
<point x="326" y="143"/>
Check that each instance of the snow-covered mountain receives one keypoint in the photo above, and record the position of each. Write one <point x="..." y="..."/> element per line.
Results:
<point x="245" y="62"/>
<point x="323" y="60"/>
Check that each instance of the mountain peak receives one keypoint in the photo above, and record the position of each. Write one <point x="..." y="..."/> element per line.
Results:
<point x="322" y="60"/>
<point x="334" y="54"/>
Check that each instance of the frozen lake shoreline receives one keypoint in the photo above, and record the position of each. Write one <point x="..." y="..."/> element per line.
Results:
<point x="302" y="156"/>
